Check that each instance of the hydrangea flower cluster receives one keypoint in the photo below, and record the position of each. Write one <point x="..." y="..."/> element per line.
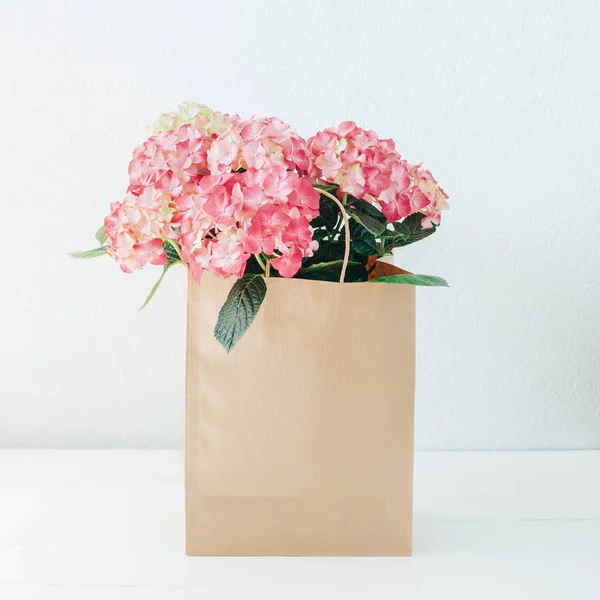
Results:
<point x="236" y="197"/>
<point x="370" y="168"/>
<point x="222" y="189"/>
<point x="192" y="113"/>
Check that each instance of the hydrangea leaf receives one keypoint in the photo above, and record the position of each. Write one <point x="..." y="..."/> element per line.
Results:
<point x="239" y="310"/>
<point x="88" y="253"/>
<point x="367" y="207"/>
<point x="332" y="187"/>
<point x="410" y="279"/>
<point x="416" y="232"/>
<point x="394" y="238"/>
<point x="362" y="242"/>
<point x="324" y="265"/>
<point x="100" y="236"/>
<point x="367" y="220"/>
<point x="328" y="211"/>
<point x="171" y="252"/>
<point x="364" y="247"/>
<point x="157" y="285"/>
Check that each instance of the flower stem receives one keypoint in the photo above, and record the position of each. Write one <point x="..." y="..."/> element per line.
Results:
<point x="267" y="258"/>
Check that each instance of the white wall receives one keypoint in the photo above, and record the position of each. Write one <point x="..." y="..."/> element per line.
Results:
<point x="500" y="99"/>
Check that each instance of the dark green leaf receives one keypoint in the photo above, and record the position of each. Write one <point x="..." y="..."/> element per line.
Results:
<point x="327" y="251"/>
<point x="401" y="230"/>
<point x="370" y="223"/>
<point x="88" y="253"/>
<point x="356" y="231"/>
<point x="156" y="285"/>
<point x="171" y="252"/>
<point x="416" y="232"/>
<point x="368" y="208"/>
<point x="410" y="279"/>
<point x="356" y="273"/>
<point x="393" y="238"/>
<point x="320" y="234"/>
<point x="318" y="222"/>
<point x="239" y="310"/>
<point x="362" y="243"/>
<point x="325" y="275"/>
<point x="101" y="236"/>
<point x="328" y="211"/>
<point x="364" y="246"/>
<point x="327" y="187"/>
<point x="332" y="253"/>
<point x="325" y="265"/>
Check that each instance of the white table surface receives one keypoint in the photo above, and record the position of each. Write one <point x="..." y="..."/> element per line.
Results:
<point x="104" y="524"/>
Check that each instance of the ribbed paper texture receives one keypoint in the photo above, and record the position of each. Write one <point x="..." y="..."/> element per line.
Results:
<point x="300" y="441"/>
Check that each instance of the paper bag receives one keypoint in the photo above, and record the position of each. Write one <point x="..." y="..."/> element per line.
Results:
<point x="300" y="441"/>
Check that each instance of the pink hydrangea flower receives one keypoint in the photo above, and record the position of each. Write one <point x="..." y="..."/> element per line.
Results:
<point x="223" y="188"/>
<point x="228" y="256"/>
<point x="266" y="229"/>
<point x="289" y="262"/>
<point x="367" y="167"/>
<point x="135" y="230"/>
<point x="256" y="209"/>
<point x="193" y="113"/>
<point x="438" y="198"/>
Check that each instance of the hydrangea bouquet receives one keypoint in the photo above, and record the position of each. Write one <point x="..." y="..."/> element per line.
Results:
<point x="251" y="199"/>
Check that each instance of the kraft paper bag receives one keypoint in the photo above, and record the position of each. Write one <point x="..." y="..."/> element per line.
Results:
<point x="300" y="441"/>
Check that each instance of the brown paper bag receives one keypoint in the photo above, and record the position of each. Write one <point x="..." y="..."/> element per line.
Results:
<point x="300" y="441"/>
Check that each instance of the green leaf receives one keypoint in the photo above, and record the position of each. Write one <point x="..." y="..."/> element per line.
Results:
<point x="320" y="234"/>
<point x="327" y="187"/>
<point x="318" y="222"/>
<point x="405" y="232"/>
<point x="239" y="310"/>
<point x="367" y="207"/>
<point x="357" y="231"/>
<point x="356" y="273"/>
<point x="362" y="242"/>
<point x="327" y="251"/>
<point x="401" y="230"/>
<point x="328" y="211"/>
<point x="416" y="232"/>
<point x="410" y="279"/>
<point x="364" y="246"/>
<point x="88" y="253"/>
<point x="393" y="238"/>
<point x="171" y="251"/>
<point x="101" y="236"/>
<point x="325" y="265"/>
<point x="369" y="222"/>
<point x="156" y="285"/>
<point x="325" y="275"/>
